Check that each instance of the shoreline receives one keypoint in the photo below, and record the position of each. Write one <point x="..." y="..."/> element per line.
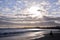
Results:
<point x="56" y="36"/>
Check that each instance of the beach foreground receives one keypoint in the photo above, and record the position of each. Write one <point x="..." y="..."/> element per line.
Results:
<point x="56" y="36"/>
<point x="29" y="34"/>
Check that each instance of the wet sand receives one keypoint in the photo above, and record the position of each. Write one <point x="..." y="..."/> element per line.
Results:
<point x="25" y="36"/>
<point x="56" y="36"/>
<point x="30" y="34"/>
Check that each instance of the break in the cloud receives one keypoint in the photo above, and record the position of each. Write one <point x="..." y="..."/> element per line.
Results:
<point x="30" y="12"/>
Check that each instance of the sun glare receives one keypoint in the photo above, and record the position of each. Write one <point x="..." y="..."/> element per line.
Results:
<point x="34" y="10"/>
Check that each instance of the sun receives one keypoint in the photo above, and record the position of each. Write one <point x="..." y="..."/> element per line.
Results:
<point x="35" y="10"/>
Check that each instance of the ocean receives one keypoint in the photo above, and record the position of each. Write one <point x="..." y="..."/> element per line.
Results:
<point x="24" y="34"/>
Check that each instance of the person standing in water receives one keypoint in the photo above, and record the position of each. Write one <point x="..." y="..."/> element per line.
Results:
<point x="51" y="33"/>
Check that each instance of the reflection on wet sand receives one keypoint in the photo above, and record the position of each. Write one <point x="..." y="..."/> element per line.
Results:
<point x="29" y="35"/>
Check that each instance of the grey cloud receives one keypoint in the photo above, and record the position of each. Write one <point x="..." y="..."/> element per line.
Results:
<point x="51" y="18"/>
<point x="46" y="21"/>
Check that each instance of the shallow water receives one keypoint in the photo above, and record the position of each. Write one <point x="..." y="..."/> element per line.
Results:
<point x="25" y="34"/>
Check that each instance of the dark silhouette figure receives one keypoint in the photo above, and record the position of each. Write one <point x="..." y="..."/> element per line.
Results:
<point x="51" y="33"/>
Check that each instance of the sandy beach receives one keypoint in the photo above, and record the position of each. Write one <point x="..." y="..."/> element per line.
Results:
<point x="30" y="34"/>
<point x="56" y="36"/>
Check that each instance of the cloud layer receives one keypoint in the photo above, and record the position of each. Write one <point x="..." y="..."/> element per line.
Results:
<point x="16" y="12"/>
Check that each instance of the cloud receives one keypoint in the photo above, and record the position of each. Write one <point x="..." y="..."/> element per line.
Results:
<point x="58" y="3"/>
<point x="19" y="1"/>
<point x="6" y="9"/>
<point x="13" y="14"/>
<point x="52" y="19"/>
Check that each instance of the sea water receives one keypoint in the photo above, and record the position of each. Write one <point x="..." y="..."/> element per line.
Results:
<point x="24" y="34"/>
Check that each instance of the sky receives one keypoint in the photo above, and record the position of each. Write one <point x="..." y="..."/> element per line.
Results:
<point x="15" y="13"/>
